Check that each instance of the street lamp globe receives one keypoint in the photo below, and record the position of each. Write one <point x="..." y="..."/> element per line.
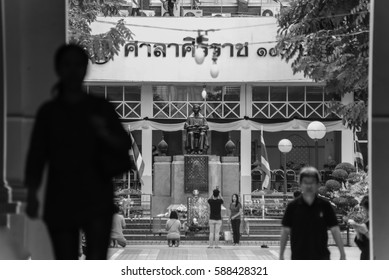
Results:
<point x="316" y="130"/>
<point x="204" y="93"/>
<point x="214" y="70"/>
<point x="285" y="146"/>
<point x="199" y="55"/>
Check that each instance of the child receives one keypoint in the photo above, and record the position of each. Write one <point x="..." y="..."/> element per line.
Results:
<point x="173" y="226"/>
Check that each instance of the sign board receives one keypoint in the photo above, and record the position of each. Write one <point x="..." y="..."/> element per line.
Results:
<point x="163" y="51"/>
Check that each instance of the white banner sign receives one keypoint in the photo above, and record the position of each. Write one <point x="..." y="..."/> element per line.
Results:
<point x="163" y="51"/>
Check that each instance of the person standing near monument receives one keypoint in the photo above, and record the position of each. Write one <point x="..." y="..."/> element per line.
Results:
<point x="236" y="211"/>
<point x="196" y="126"/>
<point x="307" y="219"/>
<point x="215" y="218"/>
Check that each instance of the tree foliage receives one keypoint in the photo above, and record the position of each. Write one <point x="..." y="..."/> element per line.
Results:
<point x="101" y="47"/>
<point x="328" y="40"/>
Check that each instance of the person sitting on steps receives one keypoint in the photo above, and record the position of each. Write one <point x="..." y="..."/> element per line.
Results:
<point x="173" y="226"/>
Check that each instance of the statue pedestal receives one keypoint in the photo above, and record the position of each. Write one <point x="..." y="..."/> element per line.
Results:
<point x="179" y="196"/>
<point x="230" y="178"/>
<point x="169" y="180"/>
<point x="161" y="185"/>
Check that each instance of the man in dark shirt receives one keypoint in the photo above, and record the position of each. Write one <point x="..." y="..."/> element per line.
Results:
<point x="215" y="218"/>
<point x="307" y="220"/>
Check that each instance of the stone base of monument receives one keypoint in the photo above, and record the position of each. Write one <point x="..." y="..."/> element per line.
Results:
<point x="176" y="177"/>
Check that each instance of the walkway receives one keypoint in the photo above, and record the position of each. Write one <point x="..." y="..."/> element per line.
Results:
<point x="201" y="252"/>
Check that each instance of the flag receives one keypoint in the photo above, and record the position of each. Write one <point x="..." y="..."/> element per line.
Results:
<point x="136" y="158"/>
<point x="265" y="164"/>
<point x="358" y="157"/>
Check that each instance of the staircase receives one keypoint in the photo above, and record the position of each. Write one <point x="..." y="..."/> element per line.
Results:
<point x="252" y="229"/>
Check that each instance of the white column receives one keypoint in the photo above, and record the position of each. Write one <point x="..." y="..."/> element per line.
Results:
<point x="245" y="161"/>
<point x="242" y="112"/>
<point x="347" y="136"/>
<point x="347" y="146"/>
<point x="147" y="158"/>
<point x="147" y="138"/>
<point x="146" y="99"/>
<point x="249" y="101"/>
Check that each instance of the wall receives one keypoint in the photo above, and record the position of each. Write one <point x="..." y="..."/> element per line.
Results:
<point x="30" y="76"/>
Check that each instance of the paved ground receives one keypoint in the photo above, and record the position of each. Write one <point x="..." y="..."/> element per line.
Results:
<point x="201" y="252"/>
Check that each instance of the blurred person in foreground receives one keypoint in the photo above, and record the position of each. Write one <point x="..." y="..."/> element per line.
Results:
<point x="307" y="220"/>
<point x="81" y="141"/>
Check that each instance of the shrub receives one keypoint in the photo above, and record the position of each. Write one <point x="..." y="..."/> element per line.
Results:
<point x="323" y="190"/>
<point x="354" y="178"/>
<point x="332" y="185"/>
<point x="345" y="202"/>
<point x="348" y="167"/>
<point x="340" y="175"/>
<point x="357" y="216"/>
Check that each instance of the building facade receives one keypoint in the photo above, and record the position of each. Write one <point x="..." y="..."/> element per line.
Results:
<point x="154" y="82"/>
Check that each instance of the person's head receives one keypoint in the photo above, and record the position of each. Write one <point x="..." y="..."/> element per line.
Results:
<point x="196" y="108"/>
<point x="154" y="148"/>
<point x="71" y="63"/>
<point x="173" y="215"/>
<point x="116" y="209"/>
<point x="235" y="199"/>
<point x="296" y="194"/>
<point x="365" y="204"/>
<point x="216" y="193"/>
<point x="309" y="180"/>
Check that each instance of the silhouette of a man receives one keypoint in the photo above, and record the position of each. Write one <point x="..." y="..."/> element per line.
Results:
<point x="83" y="144"/>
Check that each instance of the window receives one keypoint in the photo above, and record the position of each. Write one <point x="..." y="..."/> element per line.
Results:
<point x="176" y="102"/>
<point x="125" y="99"/>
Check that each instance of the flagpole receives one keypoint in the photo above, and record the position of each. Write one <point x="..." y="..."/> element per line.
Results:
<point x="263" y="196"/>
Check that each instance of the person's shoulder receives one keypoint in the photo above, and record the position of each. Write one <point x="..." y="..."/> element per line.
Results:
<point x="97" y="99"/>
<point x="48" y="106"/>
<point x="323" y="201"/>
<point x="295" y="202"/>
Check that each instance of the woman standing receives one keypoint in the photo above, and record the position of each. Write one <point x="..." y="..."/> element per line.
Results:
<point x="215" y="218"/>
<point x="236" y="211"/>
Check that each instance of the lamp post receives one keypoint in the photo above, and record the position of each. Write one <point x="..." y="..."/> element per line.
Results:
<point x="285" y="146"/>
<point x="316" y="130"/>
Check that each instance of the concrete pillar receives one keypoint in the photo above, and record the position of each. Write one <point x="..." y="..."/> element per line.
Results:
<point x="245" y="161"/>
<point x="162" y="184"/>
<point x="214" y="173"/>
<point x="378" y="132"/>
<point x="146" y="100"/>
<point x="178" y="188"/>
<point x="249" y="101"/>
<point x="230" y="178"/>
<point x="347" y="136"/>
<point x="347" y="146"/>
<point x="147" y="155"/>
<point x="29" y="79"/>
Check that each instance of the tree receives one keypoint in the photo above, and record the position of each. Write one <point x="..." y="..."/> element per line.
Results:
<point x="328" y="40"/>
<point x="100" y="47"/>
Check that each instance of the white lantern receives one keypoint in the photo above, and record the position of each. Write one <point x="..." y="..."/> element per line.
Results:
<point x="285" y="146"/>
<point x="214" y="70"/>
<point x="204" y="93"/>
<point x="199" y="55"/>
<point x="316" y="130"/>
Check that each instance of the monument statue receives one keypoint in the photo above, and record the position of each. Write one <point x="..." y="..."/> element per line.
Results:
<point x="196" y="137"/>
